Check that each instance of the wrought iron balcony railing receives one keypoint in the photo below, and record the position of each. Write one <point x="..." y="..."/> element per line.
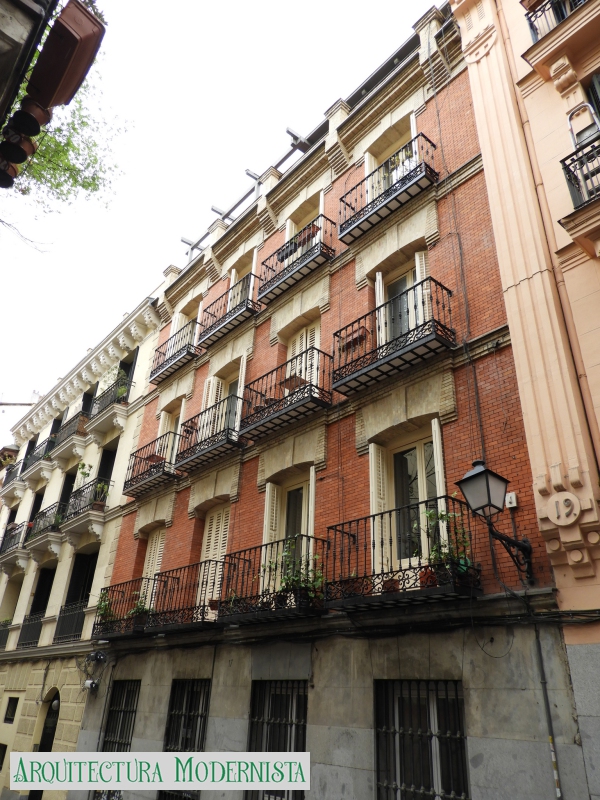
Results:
<point x="118" y="392"/>
<point x="210" y="434"/>
<point x="291" y="391"/>
<point x="91" y="495"/>
<point x="304" y="252"/>
<point x="186" y="595"/>
<point x="406" y="330"/>
<point x="550" y="14"/>
<point x="31" y="630"/>
<point x="123" y="608"/>
<point x="420" y="551"/>
<point x="12" y="472"/>
<point x="48" y="519"/>
<point x="40" y="453"/>
<point x="13" y="537"/>
<point x="75" y="425"/>
<point x="582" y="171"/>
<point x="4" y="631"/>
<point x="228" y="311"/>
<point x="279" y="579"/>
<point x="401" y="177"/>
<point x="69" y="624"/>
<point x="175" y="352"/>
<point x="152" y="465"/>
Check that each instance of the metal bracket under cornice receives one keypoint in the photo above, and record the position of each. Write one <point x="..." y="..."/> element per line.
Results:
<point x="519" y="550"/>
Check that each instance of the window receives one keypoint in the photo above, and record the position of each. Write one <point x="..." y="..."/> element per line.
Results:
<point x="227" y="388"/>
<point x="410" y="478"/>
<point x="154" y="552"/>
<point x="3" y="748"/>
<point x="277" y="725"/>
<point x="289" y="509"/>
<point x="407" y="300"/>
<point x="420" y="740"/>
<point x="186" y="720"/>
<point x="121" y="717"/>
<point x="214" y="547"/>
<point x="11" y="710"/>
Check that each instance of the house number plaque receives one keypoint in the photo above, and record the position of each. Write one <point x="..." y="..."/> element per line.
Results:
<point x="563" y="508"/>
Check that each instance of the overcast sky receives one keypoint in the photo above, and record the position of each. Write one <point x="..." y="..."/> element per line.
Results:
<point x="207" y="90"/>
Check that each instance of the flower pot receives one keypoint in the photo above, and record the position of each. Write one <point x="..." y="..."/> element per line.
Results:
<point x="390" y="585"/>
<point x="140" y="621"/>
<point x="302" y="597"/>
<point x="213" y="604"/>
<point x="98" y="505"/>
<point x="281" y="599"/>
<point x="427" y="578"/>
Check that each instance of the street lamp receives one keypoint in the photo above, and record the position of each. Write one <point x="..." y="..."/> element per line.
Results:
<point x="485" y="492"/>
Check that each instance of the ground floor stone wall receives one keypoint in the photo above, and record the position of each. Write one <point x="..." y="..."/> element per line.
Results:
<point x="507" y="737"/>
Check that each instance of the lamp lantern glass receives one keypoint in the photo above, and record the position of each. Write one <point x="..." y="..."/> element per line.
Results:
<point x="483" y="490"/>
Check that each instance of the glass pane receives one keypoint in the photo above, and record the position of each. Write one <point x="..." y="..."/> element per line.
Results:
<point x="406" y="485"/>
<point x="293" y="513"/>
<point x="397" y="309"/>
<point x="431" y="485"/>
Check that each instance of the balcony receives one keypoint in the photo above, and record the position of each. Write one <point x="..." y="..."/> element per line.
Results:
<point x="419" y="553"/>
<point x="186" y="597"/>
<point x="303" y="253"/>
<point x="12" y="473"/>
<point x="403" y="176"/>
<point x="550" y="14"/>
<point x="294" y="390"/>
<point x="13" y="486"/>
<point x="178" y="350"/>
<point x="582" y="172"/>
<point x="110" y="408"/>
<point x="228" y="311"/>
<point x="152" y="465"/>
<point x="12" y="549"/>
<point x="69" y="624"/>
<point x="70" y="440"/>
<point x="407" y="330"/>
<point x="37" y="464"/>
<point x="274" y="581"/>
<point x="44" y="534"/>
<point x="13" y="537"/>
<point x="85" y="511"/>
<point x="178" y="599"/>
<point x="31" y="630"/>
<point x="123" y="609"/>
<point x="211" y="434"/>
<point x="4" y="631"/>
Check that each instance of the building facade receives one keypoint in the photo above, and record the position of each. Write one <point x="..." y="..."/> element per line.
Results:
<point x="285" y="561"/>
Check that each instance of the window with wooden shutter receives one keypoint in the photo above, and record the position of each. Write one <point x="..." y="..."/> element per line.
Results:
<point x="272" y="513"/>
<point x="214" y="547"/>
<point x="379" y="491"/>
<point x="154" y="552"/>
<point x="303" y="362"/>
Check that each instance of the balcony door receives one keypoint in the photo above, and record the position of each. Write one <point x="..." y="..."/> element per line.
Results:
<point x="415" y="488"/>
<point x="240" y="289"/>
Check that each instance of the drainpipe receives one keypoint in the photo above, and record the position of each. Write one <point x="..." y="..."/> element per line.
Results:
<point x="544" y="683"/>
<point x="563" y="296"/>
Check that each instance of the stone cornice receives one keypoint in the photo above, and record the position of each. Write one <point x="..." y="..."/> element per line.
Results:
<point x="187" y="280"/>
<point x="583" y="226"/>
<point x="299" y="176"/>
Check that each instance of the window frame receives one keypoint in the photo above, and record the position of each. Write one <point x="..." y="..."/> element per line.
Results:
<point x="186" y="690"/>
<point x="121" y="716"/>
<point x="9" y="706"/>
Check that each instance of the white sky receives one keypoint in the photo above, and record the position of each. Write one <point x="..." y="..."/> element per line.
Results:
<point x="207" y="90"/>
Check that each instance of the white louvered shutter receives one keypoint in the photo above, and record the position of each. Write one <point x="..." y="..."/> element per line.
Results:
<point x="381" y="528"/>
<point x="305" y="363"/>
<point x="218" y="415"/>
<point x="423" y="290"/>
<point x="240" y="392"/>
<point x="379" y="301"/>
<point x="152" y="563"/>
<point x="214" y="547"/>
<point x="206" y="392"/>
<point x="272" y="508"/>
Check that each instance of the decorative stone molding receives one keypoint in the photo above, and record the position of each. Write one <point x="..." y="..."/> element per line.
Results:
<point x="217" y="487"/>
<point x="232" y="352"/>
<point x="292" y="315"/>
<point x="84" y="529"/>
<point x="182" y="387"/>
<point x="404" y="407"/>
<point x="583" y="226"/>
<point x="432" y="229"/>
<point x="151" y="318"/>
<point x="481" y="45"/>
<point x="47" y="542"/>
<point x="212" y="265"/>
<point x="337" y="155"/>
<point x="309" y="448"/>
<point x="266" y="217"/>
<point x="155" y="513"/>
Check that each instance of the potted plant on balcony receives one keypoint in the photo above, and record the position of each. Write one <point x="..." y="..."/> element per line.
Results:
<point x="100" y="494"/>
<point x="448" y="555"/>
<point x="104" y="610"/>
<point x="57" y="520"/>
<point x="139" y="614"/>
<point x="302" y="577"/>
